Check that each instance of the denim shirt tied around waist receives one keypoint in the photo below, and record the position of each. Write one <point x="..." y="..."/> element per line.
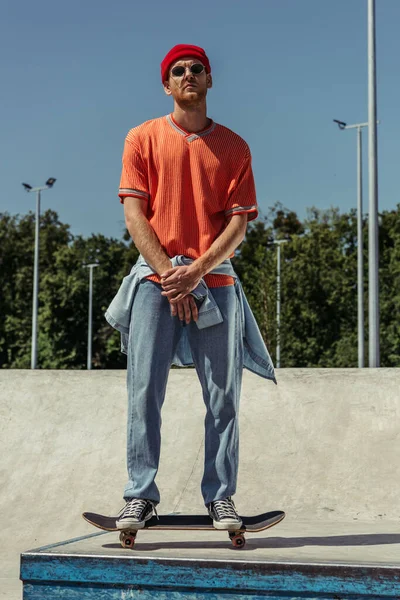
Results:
<point x="256" y="356"/>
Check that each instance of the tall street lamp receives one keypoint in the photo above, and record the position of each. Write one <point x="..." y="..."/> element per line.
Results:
<point x="89" y="345"/>
<point x="360" y="244"/>
<point x="373" y="221"/>
<point x="49" y="184"/>
<point x="373" y="224"/>
<point x="278" y="301"/>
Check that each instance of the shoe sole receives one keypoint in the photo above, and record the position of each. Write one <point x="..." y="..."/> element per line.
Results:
<point x="130" y="524"/>
<point x="126" y="524"/>
<point x="227" y="525"/>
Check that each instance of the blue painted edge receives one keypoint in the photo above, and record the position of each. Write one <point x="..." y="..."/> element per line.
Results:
<point x="234" y="576"/>
<point x="71" y="592"/>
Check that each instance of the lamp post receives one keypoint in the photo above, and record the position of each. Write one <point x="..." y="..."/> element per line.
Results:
<point x="360" y="244"/>
<point x="373" y="223"/>
<point x="89" y="345"/>
<point x="35" y="303"/>
<point x="278" y="301"/>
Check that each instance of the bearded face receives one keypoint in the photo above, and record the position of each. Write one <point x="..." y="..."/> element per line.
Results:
<point x="188" y="89"/>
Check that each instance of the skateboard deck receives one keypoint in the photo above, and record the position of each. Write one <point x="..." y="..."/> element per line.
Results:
<point x="187" y="522"/>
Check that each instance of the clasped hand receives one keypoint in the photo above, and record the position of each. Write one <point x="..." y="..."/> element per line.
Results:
<point x="177" y="283"/>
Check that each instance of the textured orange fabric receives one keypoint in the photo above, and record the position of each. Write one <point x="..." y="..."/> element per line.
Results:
<point x="193" y="183"/>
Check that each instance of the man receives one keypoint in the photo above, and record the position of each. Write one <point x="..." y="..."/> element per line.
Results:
<point x="188" y="192"/>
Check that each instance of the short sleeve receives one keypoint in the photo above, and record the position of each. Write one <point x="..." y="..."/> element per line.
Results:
<point x="242" y="195"/>
<point x="134" y="177"/>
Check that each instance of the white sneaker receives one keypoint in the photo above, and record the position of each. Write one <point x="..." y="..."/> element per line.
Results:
<point x="135" y="514"/>
<point x="224" y="515"/>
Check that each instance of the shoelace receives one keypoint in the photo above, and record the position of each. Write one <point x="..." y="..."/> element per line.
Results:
<point x="135" y="507"/>
<point x="225" y="509"/>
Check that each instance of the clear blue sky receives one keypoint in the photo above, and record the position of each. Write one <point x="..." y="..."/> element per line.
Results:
<point x="77" y="75"/>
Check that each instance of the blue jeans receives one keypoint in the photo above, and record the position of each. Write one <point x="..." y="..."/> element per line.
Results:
<point x="218" y="357"/>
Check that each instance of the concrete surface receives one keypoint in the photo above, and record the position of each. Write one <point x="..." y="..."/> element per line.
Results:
<point x="292" y="540"/>
<point x="322" y="444"/>
<point x="335" y="560"/>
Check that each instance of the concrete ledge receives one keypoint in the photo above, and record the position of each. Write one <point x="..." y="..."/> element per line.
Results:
<point x="344" y="561"/>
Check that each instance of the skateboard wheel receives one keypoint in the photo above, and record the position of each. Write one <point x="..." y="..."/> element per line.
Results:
<point x="127" y="539"/>
<point x="238" y="541"/>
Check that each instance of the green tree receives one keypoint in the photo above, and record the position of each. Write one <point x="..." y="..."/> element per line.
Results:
<point x="318" y="289"/>
<point x="389" y="283"/>
<point x="16" y="279"/>
<point x="319" y="293"/>
<point x="63" y="294"/>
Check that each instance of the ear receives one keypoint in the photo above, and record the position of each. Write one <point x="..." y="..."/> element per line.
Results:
<point x="209" y="81"/>
<point x="167" y="88"/>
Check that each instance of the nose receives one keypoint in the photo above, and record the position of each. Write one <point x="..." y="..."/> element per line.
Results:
<point x="188" y="72"/>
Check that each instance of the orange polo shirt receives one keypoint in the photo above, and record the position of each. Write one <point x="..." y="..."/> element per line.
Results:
<point x="192" y="182"/>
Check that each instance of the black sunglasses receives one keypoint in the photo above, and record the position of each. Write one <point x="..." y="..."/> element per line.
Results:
<point x="195" y="69"/>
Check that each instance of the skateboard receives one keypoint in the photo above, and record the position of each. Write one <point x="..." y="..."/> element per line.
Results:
<point x="127" y="536"/>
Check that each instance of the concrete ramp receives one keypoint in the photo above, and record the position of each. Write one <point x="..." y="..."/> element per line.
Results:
<point x="323" y="444"/>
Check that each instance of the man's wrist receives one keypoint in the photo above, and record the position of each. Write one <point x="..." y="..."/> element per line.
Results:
<point x="166" y="265"/>
<point x="198" y="269"/>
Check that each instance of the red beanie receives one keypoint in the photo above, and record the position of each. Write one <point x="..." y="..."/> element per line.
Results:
<point x="180" y="51"/>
